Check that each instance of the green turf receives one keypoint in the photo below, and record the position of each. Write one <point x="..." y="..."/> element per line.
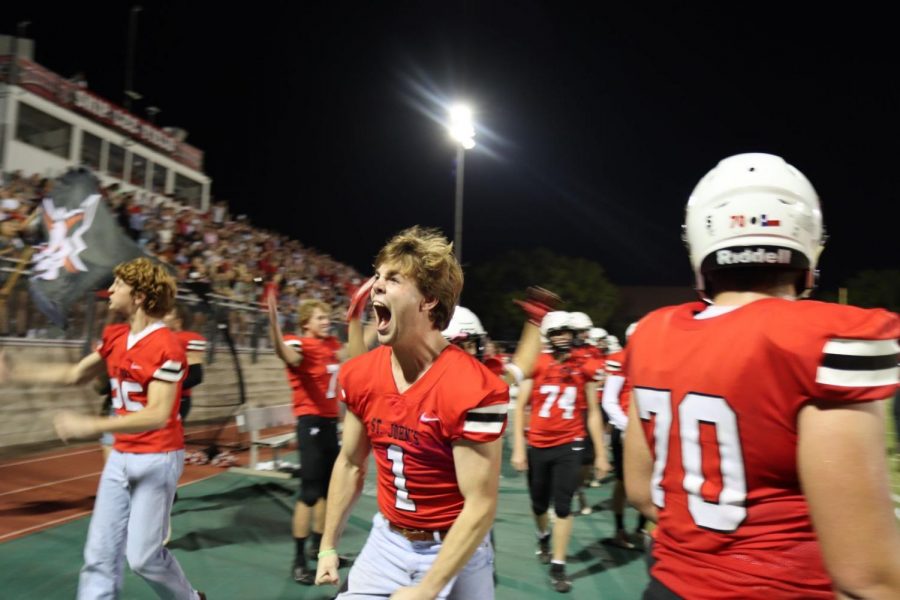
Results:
<point x="232" y="536"/>
<point x="893" y="445"/>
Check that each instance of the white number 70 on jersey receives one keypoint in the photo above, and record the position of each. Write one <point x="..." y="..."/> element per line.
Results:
<point x="728" y="510"/>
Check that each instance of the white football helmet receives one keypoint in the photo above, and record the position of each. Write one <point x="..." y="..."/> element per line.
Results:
<point x="597" y="335"/>
<point x="612" y="344"/>
<point x="579" y="321"/>
<point x="557" y="319"/>
<point x="754" y="210"/>
<point x="464" y="323"/>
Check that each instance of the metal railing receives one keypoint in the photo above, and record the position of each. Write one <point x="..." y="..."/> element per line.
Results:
<point x="210" y="315"/>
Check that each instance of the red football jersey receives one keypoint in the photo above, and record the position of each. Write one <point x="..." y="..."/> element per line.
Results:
<point x="557" y="401"/>
<point x="133" y="361"/>
<point x="192" y="342"/>
<point x="615" y="366"/>
<point x="412" y="433"/>
<point x="719" y="399"/>
<point x="314" y="380"/>
<point x="112" y="352"/>
<point x="586" y="352"/>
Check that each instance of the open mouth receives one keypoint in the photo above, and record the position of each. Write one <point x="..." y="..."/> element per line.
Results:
<point x="382" y="316"/>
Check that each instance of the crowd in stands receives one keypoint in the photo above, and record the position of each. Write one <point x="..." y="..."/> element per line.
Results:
<point x="241" y="263"/>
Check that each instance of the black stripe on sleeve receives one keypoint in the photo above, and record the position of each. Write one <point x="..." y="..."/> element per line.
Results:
<point x="846" y="362"/>
<point x="486" y="417"/>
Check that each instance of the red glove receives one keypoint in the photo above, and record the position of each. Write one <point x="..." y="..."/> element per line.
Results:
<point x="537" y="303"/>
<point x="359" y="299"/>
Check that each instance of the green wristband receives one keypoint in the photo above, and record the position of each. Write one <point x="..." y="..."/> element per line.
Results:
<point x="329" y="552"/>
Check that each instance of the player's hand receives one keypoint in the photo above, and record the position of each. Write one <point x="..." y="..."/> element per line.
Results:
<point x="359" y="299"/>
<point x="327" y="570"/>
<point x="519" y="460"/>
<point x="601" y="467"/>
<point x="411" y="593"/>
<point x="538" y="302"/>
<point x="71" y="425"/>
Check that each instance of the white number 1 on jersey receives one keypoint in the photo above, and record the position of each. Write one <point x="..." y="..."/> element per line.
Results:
<point x="395" y="455"/>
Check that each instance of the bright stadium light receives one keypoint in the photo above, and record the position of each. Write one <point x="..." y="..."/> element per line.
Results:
<point x="462" y="129"/>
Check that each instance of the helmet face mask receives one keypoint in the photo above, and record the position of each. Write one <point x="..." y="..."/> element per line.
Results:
<point x="754" y="210"/>
<point x="554" y="323"/>
<point x="561" y="340"/>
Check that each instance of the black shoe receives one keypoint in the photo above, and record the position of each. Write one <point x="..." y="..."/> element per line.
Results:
<point x="543" y="551"/>
<point x="560" y="582"/>
<point x="304" y="575"/>
<point x="312" y="553"/>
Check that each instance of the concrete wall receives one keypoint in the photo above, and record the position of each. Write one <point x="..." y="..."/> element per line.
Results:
<point x="26" y="412"/>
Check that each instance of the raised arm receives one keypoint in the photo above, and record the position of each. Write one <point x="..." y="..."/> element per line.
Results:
<point x="290" y="356"/>
<point x="538" y="302"/>
<point x="358" y="338"/>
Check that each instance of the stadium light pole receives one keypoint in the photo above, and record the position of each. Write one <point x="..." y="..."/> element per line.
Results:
<point x="462" y="131"/>
<point x="130" y="94"/>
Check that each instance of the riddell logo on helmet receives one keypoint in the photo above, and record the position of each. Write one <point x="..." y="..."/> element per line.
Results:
<point x="759" y="256"/>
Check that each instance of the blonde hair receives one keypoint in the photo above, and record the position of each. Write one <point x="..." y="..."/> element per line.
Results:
<point x="427" y="257"/>
<point x="152" y="280"/>
<point x="307" y="307"/>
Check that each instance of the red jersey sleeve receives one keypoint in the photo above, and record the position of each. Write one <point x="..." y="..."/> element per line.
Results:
<point x="166" y="362"/>
<point x="485" y="420"/>
<point x="478" y="402"/>
<point x="193" y="341"/>
<point x="615" y="364"/>
<point x="843" y="353"/>
<point x="293" y="342"/>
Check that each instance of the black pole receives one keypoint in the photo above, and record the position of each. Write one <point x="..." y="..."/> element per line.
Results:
<point x="129" y="57"/>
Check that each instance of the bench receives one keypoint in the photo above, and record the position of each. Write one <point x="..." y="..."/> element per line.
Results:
<point x="252" y="420"/>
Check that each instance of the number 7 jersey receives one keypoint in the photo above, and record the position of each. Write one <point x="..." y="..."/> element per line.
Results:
<point x="718" y="399"/>
<point x="314" y="380"/>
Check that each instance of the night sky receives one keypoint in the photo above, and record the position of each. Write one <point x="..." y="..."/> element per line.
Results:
<point x="593" y="125"/>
